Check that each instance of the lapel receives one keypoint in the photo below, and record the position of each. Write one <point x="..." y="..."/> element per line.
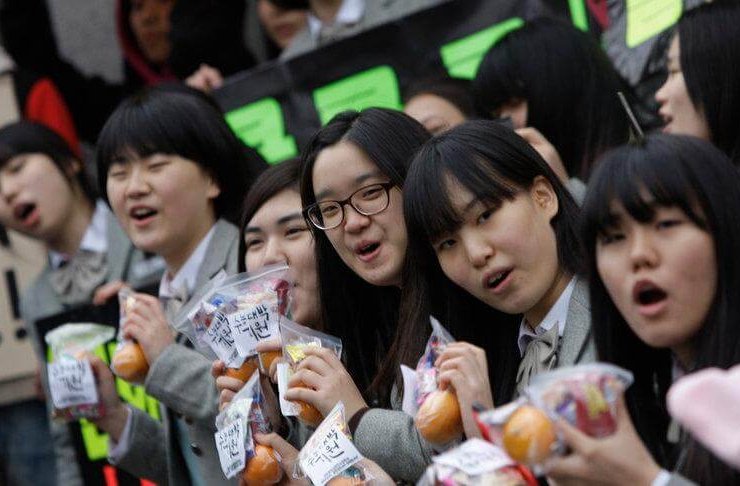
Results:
<point x="220" y="254"/>
<point x="576" y="343"/>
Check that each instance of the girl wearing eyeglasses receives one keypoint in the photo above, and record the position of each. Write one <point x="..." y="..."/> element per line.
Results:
<point x="353" y="171"/>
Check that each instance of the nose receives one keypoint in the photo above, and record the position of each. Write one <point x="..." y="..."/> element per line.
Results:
<point x="137" y="185"/>
<point x="353" y="220"/>
<point x="642" y="251"/>
<point x="8" y="188"/>
<point x="274" y="253"/>
<point x="660" y="95"/>
<point x="477" y="249"/>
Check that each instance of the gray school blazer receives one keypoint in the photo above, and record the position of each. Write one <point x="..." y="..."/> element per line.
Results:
<point x="390" y="438"/>
<point x="181" y="380"/>
<point x="124" y="263"/>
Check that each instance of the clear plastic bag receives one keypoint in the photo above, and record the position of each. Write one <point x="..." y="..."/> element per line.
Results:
<point x="476" y="463"/>
<point x="329" y="457"/>
<point x="71" y="380"/>
<point x="438" y="412"/>
<point x="234" y="314"/>
<point x="128" y="361"/>
<point x="244" y="417"/>
<point x="295" y="340"/>
<point x="584" y="395"/>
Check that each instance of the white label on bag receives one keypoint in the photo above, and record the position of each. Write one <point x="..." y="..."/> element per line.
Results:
<point x="221" y="340"/>
<point x="329" y="455"/>
<point x="475" y="457"/>
<point x="289" y="409"/>
<point x="231" y="446"/>
<point x="253" y="325"/>
<point x="72" y="383"/>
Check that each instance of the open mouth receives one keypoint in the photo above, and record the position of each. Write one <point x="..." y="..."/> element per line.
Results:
<point x="497" y="279"/>
<point x="367" y="249"/>
<point x="646" y="293"/>
<point x="23" y="211"/>
<point x="142" y="213"/>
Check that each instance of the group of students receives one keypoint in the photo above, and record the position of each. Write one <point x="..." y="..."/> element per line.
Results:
<point x="385" y="225"/>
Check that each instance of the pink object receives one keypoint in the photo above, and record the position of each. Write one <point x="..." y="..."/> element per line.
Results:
<point x="707" y="403"/>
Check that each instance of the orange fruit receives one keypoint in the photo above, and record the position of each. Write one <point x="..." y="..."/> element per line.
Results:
<point x="267" y="358"/>
<point x="245" y="371"/>
<point x="263" y="469"/>
<point x="130" y="363"/>
<point x="438" y="418"/>
<point x="528" y="435"/>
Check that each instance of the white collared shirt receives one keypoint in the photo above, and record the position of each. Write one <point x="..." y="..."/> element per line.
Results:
<point x="187" y="275"/>
<point x="95" y="237"/>
<point x="349" y="13"/>
<point x="557" y="314"/>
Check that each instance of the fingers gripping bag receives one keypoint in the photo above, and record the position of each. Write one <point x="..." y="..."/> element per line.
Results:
<point x="436" y="412"/>
<point x="295" y="340"/>
<point x="128" y="360"/>
<point x="234" y="314"/>
<point x="71" y="380"/>
<point x="245" y="416"/>
<point x="329" y="457"/>
<point x="584" y="395"/>
<point x="476" y="463"/>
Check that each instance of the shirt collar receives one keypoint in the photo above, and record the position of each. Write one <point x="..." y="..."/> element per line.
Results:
<point x="188" y="274"/>
<point x="557" y="314"/>
<point x="349" y="13"/>
<point x="95" y="238"/>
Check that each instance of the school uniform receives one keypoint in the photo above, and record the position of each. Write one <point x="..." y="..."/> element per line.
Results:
<point x="180" y="450"/>
<point x="43" y="299"/>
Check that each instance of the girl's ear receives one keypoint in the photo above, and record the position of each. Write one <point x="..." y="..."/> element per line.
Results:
<point x="544" y="197"/>
<point x="74" y="167"/>
<point x="214" y="189"/>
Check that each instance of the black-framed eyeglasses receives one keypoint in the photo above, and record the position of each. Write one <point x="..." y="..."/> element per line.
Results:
<point x="368" y="200"/>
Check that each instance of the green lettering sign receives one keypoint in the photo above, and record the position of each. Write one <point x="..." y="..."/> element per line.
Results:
<point x="377" y="86"/>
<point x="579" y="14"/>
<point x="462" y="57"/>
<point x="647" y="18"/>
<point x="261" y="126"/>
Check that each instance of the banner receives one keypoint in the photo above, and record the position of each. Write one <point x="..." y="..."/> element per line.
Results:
<point x="276" y="107"/>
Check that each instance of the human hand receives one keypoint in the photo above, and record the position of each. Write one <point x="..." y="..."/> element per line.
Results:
<point x="620" y="458"/>
<point x="546" y="150"/>
<point x="465" y="368"/>
<point x="288" y="458"/>
<point x="327" y="382"/>
<point x="146" y="322"/>
<point x="115" y="412"/>
<point x="104" y="293"/>
<point x="269" y="346"/>
<point x="205" y="79"/>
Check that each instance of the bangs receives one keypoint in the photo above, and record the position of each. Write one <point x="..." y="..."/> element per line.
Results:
<point x="429" y="208"/>
<point x="641" y="181"/>
<point x="135" y="132"/>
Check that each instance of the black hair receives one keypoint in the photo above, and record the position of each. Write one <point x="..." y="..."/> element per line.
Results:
<point x="27" y="137"/>
<point x="568" y="83"/>
<point x="494" y="164"/>
<point x="285" y="175"/>
<point x="364" y="316"/>
<point x="176" y="120"/>
<point x="710" y="61"/>
<point x="695" y="176"/>
<point x="455" y="91"/>
<point x="292" y="4"/>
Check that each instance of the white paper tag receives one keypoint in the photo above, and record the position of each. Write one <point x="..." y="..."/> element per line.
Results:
<point x="253" y="325"/>
<point x="221" y="340"/>
<point x="475" y="457"/>
<point x="329" y="454"/>
<point x="71" y="383"/>
<point x="230" y="443"/>
<point x="410" y="381"/>
<point x="289" y="409"/>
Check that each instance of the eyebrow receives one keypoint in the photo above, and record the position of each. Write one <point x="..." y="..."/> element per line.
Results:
<point x="358" y="180"/>
<point x="281" y="221"/>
